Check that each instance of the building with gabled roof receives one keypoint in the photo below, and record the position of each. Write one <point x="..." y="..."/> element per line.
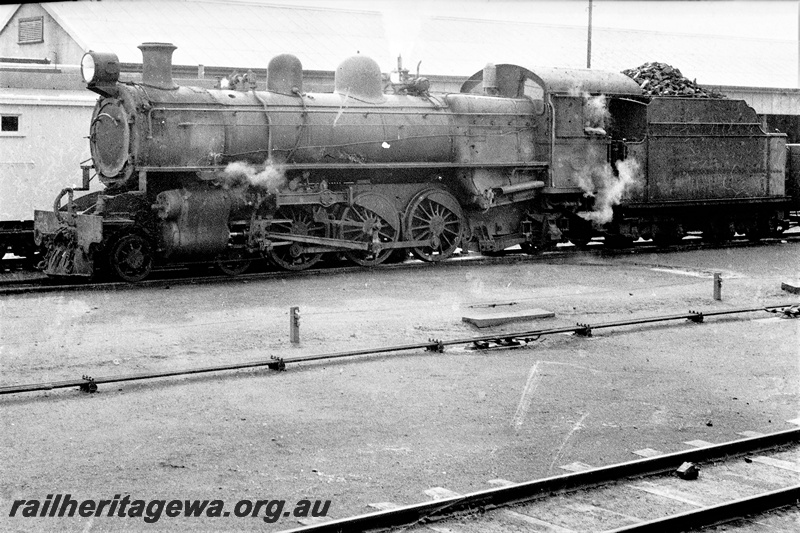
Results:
<point x="235" y="35"/>
<point x="246" y="35"/>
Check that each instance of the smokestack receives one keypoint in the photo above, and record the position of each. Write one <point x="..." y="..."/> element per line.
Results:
<point x="157" y="64"/>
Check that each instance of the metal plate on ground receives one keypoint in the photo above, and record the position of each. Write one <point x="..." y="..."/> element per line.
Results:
<point x="487" y="319"/>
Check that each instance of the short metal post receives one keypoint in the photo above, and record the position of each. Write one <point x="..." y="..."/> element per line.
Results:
<point x="717" y="286"/>
<point x="294" y="325"/>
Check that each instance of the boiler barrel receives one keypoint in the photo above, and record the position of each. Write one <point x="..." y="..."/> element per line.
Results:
<point x="336" y="129"/>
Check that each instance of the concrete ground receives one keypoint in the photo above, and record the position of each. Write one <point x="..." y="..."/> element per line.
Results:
<point x="385" y="428"/>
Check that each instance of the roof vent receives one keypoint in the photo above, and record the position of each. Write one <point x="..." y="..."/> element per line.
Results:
<point x="285" y="75"/>
<point x="157" y="64"/>
<point x="359" y="77"/>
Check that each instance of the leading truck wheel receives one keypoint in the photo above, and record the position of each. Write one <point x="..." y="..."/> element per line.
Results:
<point x="131" y="258"/>
<point x="434" y="215"/>
<point x="233" y="262"/>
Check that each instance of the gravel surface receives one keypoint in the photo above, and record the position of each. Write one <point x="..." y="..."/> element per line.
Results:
<point x="385" y="428"/>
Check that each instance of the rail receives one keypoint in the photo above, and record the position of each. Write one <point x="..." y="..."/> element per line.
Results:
<point x="89" y="384"/>
<point x="521" y="492"/>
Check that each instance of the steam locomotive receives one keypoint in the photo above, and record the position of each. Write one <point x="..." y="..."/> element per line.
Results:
<point x="517" y="157"/>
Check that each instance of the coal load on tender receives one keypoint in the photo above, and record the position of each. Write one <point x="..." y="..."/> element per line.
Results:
<point x="661" y="79"/>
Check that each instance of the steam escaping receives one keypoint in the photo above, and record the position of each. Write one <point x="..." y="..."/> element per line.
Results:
<point x="595" y="111"/>
<point x="239" y="174"/>
<point x="607" y="188"/>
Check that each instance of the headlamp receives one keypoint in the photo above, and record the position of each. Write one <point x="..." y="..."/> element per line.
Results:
<point x="99" y="68"/>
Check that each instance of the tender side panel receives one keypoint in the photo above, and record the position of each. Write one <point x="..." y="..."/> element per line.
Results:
<point x="701" y="150"/>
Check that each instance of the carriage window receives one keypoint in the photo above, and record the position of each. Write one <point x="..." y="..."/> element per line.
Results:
<point x="9" y="123"/>
<point x="535" y="92"/>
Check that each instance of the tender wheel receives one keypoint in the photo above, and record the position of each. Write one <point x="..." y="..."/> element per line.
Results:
<point x="718" y="231"/>
<point x="618" y="242"/>
<point x="131" y="258"/>
<point x="580" y="232"/>
<point x="234" y="262"/>
<point x="302" y="222"/>
<point x="435" y="215"/>
<point x="530" y="248"/>
<point x="667" y="235"/>
<point x="764" y="226"/>
<point x="372" y="216"/>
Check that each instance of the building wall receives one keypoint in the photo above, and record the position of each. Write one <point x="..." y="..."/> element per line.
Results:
<point x="766" y="100"/>
<point x="57" y="45"/>
<point x="44" y="156"/>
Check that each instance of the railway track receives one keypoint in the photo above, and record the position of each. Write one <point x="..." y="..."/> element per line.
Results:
<point x="496" y="340"/>
<point x="691" y="489"/>
<point x="28" y="282"/>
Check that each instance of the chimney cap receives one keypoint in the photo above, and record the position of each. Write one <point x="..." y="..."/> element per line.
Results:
<point x="157" y="64"/>
<point x="156" y="45"/>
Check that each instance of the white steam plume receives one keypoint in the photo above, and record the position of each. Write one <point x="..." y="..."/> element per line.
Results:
<point x="608" y="189"/>
<point x="595" y="111"/>
<point x="239" y="174"/>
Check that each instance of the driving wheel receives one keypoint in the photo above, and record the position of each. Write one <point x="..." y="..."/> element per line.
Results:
<point x="300" y="221"/>
<point x="371" y="218"/>
<point x="436" y="216"/>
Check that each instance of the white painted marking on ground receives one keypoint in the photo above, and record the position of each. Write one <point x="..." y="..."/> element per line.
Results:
<point x="527" y="396"/>
<point x="384" y="506"/>
<point x="648" y="452"/>
<point x="750" y="434"/>
<point x="698" y="443"/>
<point x="441" y="493"/>
<point x="699" y="273"/>
<point x="501" y="482"/>
<point x="547" y="527"/>
<point x="577" y="466"/>
<point x="795" y="421"/>
<point x="777" y="463"/>
<point x="578" y="425"/>
<point x="572" y="364"/>
<point x="667" y="492"/>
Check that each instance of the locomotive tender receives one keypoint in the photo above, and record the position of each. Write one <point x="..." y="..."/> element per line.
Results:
<point x="516" y="158"/>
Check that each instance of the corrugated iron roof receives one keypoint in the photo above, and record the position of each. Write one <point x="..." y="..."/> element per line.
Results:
<point x="6" y="12"/>
<point x="224" y="34"/>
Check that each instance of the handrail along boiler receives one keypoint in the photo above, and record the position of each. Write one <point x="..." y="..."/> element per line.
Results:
<point x="231" y="174"/>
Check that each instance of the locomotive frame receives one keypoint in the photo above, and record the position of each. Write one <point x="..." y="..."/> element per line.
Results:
<point x="516" y="158"/>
